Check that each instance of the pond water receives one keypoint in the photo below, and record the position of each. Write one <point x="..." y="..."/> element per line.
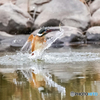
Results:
<point x="51" y="77"/>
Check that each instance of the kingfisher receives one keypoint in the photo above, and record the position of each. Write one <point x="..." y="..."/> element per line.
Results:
<point x="38" y="40"/>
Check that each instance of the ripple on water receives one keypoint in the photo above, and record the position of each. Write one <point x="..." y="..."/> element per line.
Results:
<point x="66" y="57"/>
<point x="70" y="57"/>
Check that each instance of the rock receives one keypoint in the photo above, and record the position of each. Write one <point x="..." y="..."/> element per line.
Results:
<point x="5" y="34"/>
<point x="7" y="1"/>
<point x="87" y="1"/>
<point x="93" y="34"/>
<point x="15" y="41"/>
<point x="94" y="6"/>
<point x="52" y="22"/>
<point x="3" y="2"/>
<point x="4" y="47"/>
<point x="94" y="30"/>
<point x="58" y="44"/>
<point x="13" y="20"/>
<point x="95" y="19"/>
<point x="70" y="13"/>
<point x="23" y="4"/>
<point x="83" y="1"/>
<point x="28" y="5"/>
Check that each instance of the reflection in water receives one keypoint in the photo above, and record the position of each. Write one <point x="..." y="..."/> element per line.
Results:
<point x="39" y="78"/>
<point x="36" y="83"/>
<point x="40" y="83"/>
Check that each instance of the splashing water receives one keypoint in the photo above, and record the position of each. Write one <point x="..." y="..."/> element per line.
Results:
<point x="24" y="58"/>
<point x="38" y="53"/>
<point x="65" y="57"/>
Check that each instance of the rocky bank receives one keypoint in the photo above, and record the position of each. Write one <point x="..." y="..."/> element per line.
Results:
<point x="80" y="20"/>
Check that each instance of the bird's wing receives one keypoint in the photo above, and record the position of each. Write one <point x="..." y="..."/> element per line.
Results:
<point x="52" y="39"/>
<point x="27" y="45"/>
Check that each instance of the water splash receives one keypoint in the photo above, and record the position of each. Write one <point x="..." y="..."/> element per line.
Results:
<point x="65" y="57"/>
<point x="49" y="42"/>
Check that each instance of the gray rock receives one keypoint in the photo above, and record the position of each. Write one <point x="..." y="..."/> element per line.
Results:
<point x="94" y="30"/>
<point x="7" y="1"/>
<point x="3" y="2"/>
<point x="28" y="5"/>
<point x="95" y="19"/>
<point x="58" y="44"/>
<point x="5" y="34"/>
<point x="93" y="34"/>
<point x="69" y="12"/>
<point x="4" y="47"/>
<point x="84" y="1"/>
<point x="13" y="20"/>
<point x="94" y="6"/>
<point x="52" y="22"/>
<point x="23" y="4"/>
<point x="15" y="41"/>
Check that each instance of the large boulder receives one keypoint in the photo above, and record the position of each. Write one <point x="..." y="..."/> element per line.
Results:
<point x="69" y="12"/>
<point x="3" y="2"/>
<point x="11" y="42"/>
<point x="95" y="19"/>
<point x="28" y="5"/>
<point x="15" y="41"/>
<point x="7" y="1"/>
<point x="94" y="6"/>
<point x="23" y="4"/>
<point x="13" y="20"/>
<point x="4" y="35"/>
<point x="93" y="34"/>
<point x="4" y="47"/>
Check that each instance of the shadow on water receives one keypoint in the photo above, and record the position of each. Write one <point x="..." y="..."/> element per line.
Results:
<point x="51" y="81"/>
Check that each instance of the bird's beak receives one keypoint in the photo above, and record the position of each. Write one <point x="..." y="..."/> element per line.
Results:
<point x="51" y="30"/>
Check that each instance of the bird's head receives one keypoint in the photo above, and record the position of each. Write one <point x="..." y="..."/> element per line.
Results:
<point x="44" y="31"/>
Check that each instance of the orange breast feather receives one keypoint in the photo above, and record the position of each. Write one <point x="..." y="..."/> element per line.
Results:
<point x="36" y="42"/>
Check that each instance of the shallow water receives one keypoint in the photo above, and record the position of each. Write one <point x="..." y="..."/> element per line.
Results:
<point x="52" y="76"/>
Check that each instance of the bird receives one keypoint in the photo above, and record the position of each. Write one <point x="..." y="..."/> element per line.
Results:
<point x="38" y="40"/>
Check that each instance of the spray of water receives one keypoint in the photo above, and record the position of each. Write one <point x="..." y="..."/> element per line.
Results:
<point x="53" y="58"/>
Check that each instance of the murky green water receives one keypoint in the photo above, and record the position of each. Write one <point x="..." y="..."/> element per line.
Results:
<point x="52" y="77"/>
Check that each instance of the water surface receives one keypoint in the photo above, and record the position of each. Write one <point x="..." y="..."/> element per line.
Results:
<point x="51" y="77"/>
